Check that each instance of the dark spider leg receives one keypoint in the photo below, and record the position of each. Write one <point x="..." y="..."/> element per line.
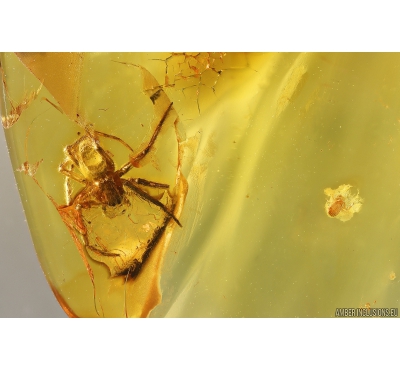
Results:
<point x="151" y="184"/>
<point x="114" y="138"/>
<point x="149" y="198"/>
<point x="136" y="159"/>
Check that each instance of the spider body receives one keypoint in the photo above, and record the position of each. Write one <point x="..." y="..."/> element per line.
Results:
<point x="109" y="191"/>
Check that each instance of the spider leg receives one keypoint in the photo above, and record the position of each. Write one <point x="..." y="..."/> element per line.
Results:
<point x="134" y="161"/>
<point x="142" y="194"/>
<point x="151" y="184"/>
<point x="99" y="133"/>
<point x="66" y="169"/>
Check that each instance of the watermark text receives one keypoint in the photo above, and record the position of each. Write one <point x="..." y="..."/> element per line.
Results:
<point x="367" y="312"/>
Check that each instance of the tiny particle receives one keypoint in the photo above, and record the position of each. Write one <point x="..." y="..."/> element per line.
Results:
<point x="392" y="276"/>
<point x="342" y="204"/>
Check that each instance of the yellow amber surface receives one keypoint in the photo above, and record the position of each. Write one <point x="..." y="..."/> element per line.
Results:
<point x="261" y="136"/>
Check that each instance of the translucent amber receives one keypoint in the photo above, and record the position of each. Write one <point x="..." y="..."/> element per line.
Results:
<point x="257" y="137"/>
<point x="112" y="206"/>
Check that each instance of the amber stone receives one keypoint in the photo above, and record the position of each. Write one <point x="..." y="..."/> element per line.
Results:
<point x="250" y="144"/>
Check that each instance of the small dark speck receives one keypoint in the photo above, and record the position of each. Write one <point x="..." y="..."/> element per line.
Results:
<point x="155" y="96"/>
